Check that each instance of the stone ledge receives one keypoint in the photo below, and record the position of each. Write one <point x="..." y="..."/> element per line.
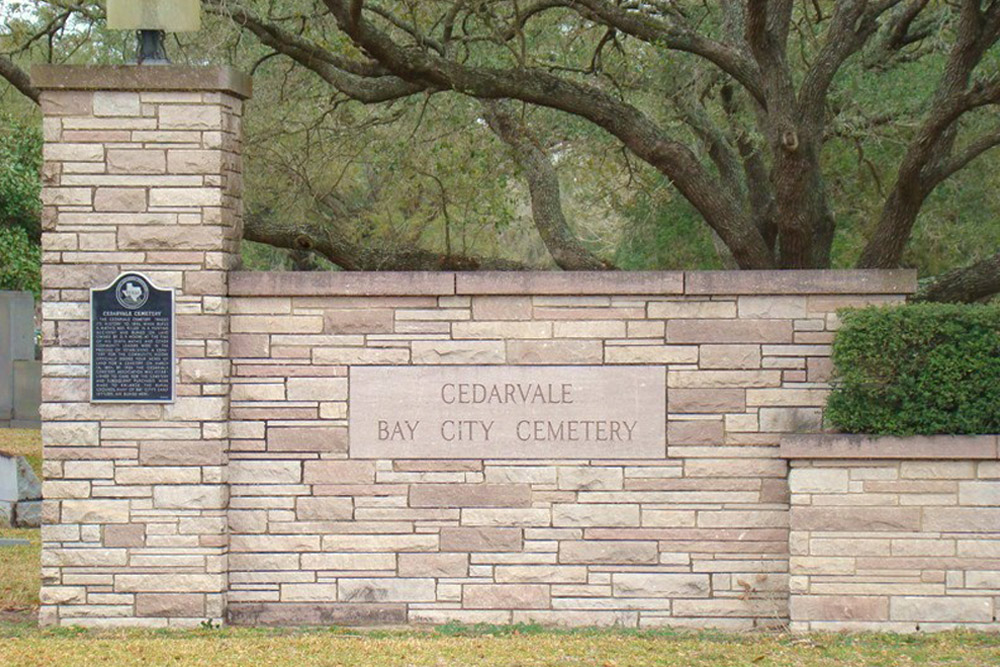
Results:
<point x="858" y="281"/>
<point x="341" y="283"/>
<point x="144" y="78"/>
<point x="579" y="283"/>
<point x="861" y="446"/>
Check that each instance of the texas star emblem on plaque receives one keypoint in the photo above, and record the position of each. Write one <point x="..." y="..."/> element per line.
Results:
<point x="132" y="342"/>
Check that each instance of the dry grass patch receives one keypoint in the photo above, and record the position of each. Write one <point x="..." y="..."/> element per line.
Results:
<point x="20" y="571"/>
<point x="23" y="442"/>
<point x="494" y="647"/>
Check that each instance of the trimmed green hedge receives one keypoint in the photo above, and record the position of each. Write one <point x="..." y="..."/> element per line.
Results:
<point x="916" y="370"/>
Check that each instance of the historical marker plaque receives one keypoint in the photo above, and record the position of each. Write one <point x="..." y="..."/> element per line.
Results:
<point x="132" y="342"/>
<point x="508" y="412"/>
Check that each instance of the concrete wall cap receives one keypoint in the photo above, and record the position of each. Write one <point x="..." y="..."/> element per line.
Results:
<point x="142" y="78"/>
<point x="862" y="447"/>
<point x="695" y="283"/>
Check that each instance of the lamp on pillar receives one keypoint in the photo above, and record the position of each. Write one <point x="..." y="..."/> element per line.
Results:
<point x="152" y="18"/>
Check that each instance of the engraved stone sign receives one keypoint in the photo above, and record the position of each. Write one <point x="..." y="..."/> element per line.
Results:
<point x="508" y="412"/>
<point x="132" y="342"/>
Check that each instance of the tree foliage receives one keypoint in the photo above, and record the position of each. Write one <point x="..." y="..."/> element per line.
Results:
<point x="648" y="134"/>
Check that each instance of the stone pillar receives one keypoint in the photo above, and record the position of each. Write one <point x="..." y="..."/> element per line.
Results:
<point x="142" y="172"/>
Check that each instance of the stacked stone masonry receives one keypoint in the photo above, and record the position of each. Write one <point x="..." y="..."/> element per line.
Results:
<point x="141" y="172"/>
<point x="894" y="534"/>
<point x="245" y="500"/>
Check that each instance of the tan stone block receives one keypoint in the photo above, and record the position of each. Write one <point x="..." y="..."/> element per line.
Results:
<point x="822" y="565"/>
<point x="597" y="329"/>
<point x="204" y="371"/>
<point x="434" y="565"/>
<point x="86" y="470"/>
<point x="249" y="345"/>
<point x="501" y="307"/>
<point x="307" y="439"/>
<point x="729" y="356"/>
<point x="788" y="397"/>
<point x="120" y="199"/>
<point x="961" y="519"/>
<point x="124" y="535"/>
<point x="595" y="514"/>
<point x="202" y="496"/>
<point x="979" y="493"/>
<point x="185" y="161"/>
<point x="466" y="539"/>
<point x="819" y="369"/>
<point x="937" y="469"/>
<point x="554" y="351"/>
<point x="78" y="434"/>
<point x="185" y="197"/>
<point x="347" y="356"/>
<point x="339" y="472"/>
<point x="170" y="453"/>
<point x="772" y="307"/>
<point x="206" y="282"/>
<point x="66" y="197"/>
<point x="717" y="379"/>
<point x="501" y="330"/>
<point x="659" y="584"/>
<point x="349" y="561"/>
<point x="172" y="582"/>
<point x="358" y="320"/>
<point x="600" y="552"/>
<point x="165" y="605"/>
<point x="470" y="495"/>
<point x="116" y="103"/>
<point x="505" y="596"/>
<point x="541" y="574"/>
<point x="671" y="310"/>
<point x="838" y="608"/>
<point x="818" y="480"/>
<point x="729" y="331"/>
<point x="459" y="352"/>
<point x="706" y="400"/>
<point x="265" y="472"/>
<point x="85" y="557"/>
<point x="588" y="478"/>
<point x="668" y="518"/>
<point x="141" y="475"/>
<point x="66" y="152"/>
<point x="67" y="102"/>
<point x="941" y="609"/>
<point x="857" y="519"/>
<point x="506" y="517"/>
<point x="136" y="161"/>
<point x="190" y="117"/>
<point x="258" y="391"/>
<point x="317" y="389"/>
<point x="695" y="432"/>
<point x="651" y="354"/>
<point x="387" y="590"/>
<point x="790" y="420"/>
<point x="324" y="509"/>
<point x="95" y="511"/>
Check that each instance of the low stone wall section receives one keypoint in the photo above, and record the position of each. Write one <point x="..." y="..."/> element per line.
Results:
<point x="894" y="534"/>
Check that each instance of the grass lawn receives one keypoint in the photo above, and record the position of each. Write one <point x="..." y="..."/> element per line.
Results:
<point x="23" y="442"/>
<point x="22" y="644"/>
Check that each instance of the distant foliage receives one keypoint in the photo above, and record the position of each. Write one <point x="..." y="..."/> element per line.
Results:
<point x="20" y="206"/>
<point x="20" y="261"/>
<point x="917" y="369"/>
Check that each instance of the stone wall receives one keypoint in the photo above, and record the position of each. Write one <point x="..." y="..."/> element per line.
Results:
<point x="141" y="172"/>
<point x="696" y="537"/>
<point x="894" y="534"/>
<point x="270" y="491"/>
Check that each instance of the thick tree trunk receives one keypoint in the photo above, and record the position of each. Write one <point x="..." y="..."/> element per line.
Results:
<point x="964" y="285"/>
<point x="543" y="183"/>
<point x="315" y="236"/>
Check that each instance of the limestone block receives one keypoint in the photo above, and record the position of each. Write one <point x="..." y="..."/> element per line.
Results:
<point x="595" y="514"/>
<point x="818" y="480"/>
<point x="549" y="574"/>
<point x="979" y="493"/>
<point x="501" y="308"/>
<point x="433" y="565"/>
<point x="660" y="584"/>
<point x="729" y="356"/>
<point x="459" y="352"/>
<point x="387" y="590"/>
<point x="481" y="539"/>
<point x="470" y="495"/>
<point x="941" y="609"/>
<point x="324" y="509"/>
<point x="839" y="608"/>
<point x="165" y="605"/>
<point x="590" y="478"/>
<point x="599" y="552"/>
<point x="505" y="596"/>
